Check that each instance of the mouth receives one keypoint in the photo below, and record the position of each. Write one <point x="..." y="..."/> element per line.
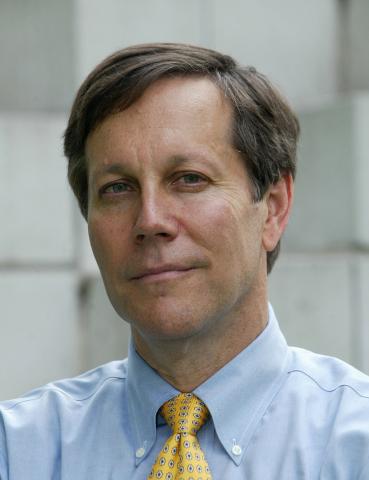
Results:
<point x="161" y="274"/>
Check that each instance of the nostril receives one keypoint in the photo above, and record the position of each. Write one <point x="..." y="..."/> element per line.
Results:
<point x="141" y="237"/>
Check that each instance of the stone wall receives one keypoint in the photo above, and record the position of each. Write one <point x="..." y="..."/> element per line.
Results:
<point x="55" y="317"/>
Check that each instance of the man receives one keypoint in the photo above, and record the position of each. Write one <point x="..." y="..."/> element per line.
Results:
<point x="183" y="163"/>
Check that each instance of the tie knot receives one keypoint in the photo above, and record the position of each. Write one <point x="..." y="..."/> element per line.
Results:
<point x="185" y="413"/>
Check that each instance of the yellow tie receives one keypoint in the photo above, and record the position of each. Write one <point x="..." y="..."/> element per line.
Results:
<point x="181" y="457"/>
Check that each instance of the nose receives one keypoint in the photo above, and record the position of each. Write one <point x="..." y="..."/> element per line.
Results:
<point x="155" y="218"/>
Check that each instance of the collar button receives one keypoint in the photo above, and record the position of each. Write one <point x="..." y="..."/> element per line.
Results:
<point x="140" y="452"/>
<point x="236" y="450"/>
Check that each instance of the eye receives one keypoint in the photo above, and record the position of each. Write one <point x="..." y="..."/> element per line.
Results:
<point x="191" y="178"/>
<point x="116" y="188"/>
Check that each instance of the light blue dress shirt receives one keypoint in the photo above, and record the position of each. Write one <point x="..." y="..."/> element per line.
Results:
<point x="277" y="413"/>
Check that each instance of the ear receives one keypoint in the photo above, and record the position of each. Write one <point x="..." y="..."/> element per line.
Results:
<point x="278" y="200"/>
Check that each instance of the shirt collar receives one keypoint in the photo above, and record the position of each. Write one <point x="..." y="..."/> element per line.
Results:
<point x="146" y="391"/>
<point x="239" y="393"/>
<point x="236" y="396"/>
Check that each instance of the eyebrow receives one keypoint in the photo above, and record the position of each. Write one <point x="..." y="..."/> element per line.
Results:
<point x="111" y="168"/>
<point x="118" y="168"/>
<point x="178" y="160"/>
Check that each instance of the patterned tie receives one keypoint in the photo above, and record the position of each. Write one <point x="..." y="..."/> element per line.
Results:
<point x="181" y="457"/>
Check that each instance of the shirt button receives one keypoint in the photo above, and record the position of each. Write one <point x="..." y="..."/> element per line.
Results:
<point x="140" y="452"/>
<point x="236" y="450"/>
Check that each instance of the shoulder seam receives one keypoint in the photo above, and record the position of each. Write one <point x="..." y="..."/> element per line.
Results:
<point x="341" y="385"/>
<point x="52" y="388"/>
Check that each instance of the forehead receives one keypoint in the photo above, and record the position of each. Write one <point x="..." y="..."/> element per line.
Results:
<point x="180" y="95"/>
<point x="192" y="103"/>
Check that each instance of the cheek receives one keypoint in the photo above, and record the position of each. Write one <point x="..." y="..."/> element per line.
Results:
<point x="214" y="224"/>
<point x="107" y="240"/>
<point x="231" y="232"/>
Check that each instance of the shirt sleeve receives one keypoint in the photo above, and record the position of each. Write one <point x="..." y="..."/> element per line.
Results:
<point x="3" y="454"/>
<point x="3" y="469"/>
<point x="365" y="472"/>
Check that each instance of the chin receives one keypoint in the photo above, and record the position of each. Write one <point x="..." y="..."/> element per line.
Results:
<point x="160" y="324"/>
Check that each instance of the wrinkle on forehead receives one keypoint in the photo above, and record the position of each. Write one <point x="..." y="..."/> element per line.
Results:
<point x="170" y="109"/>
<point x="204" y="95"/>
<point x="165" y="104"/>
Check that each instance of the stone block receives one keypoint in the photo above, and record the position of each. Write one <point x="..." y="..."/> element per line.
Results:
<point x="36" y="206"/>
<point x="103" y="27"/>
<point x="360" y="166"/>
<point x="37" y="54"/>
<point x="362" y="306"/>
<point x="331" y="195"/>
<point x="105" y="334"/>
<point x="357" y="65"/>
<point x="320" y="302"/>
<point x="40" y="335"/>
<point x="294" y="42"/>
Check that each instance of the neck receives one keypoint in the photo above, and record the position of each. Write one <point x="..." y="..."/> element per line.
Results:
<point x="187" y="363"/>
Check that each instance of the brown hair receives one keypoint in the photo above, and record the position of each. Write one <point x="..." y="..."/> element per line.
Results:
<point x="265" y="128"/>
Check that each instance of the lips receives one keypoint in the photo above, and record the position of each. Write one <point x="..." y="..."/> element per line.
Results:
<point x="161" y="272"/>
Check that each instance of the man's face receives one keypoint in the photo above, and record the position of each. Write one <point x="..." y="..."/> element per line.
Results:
<point x="172" y="224"/>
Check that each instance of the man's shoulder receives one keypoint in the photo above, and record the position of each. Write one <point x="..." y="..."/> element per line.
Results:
<point x="327" y="401"/>
<point x="41" y="423"/>
<point x="329" y="374"/>
<point x="76" y="389"/>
